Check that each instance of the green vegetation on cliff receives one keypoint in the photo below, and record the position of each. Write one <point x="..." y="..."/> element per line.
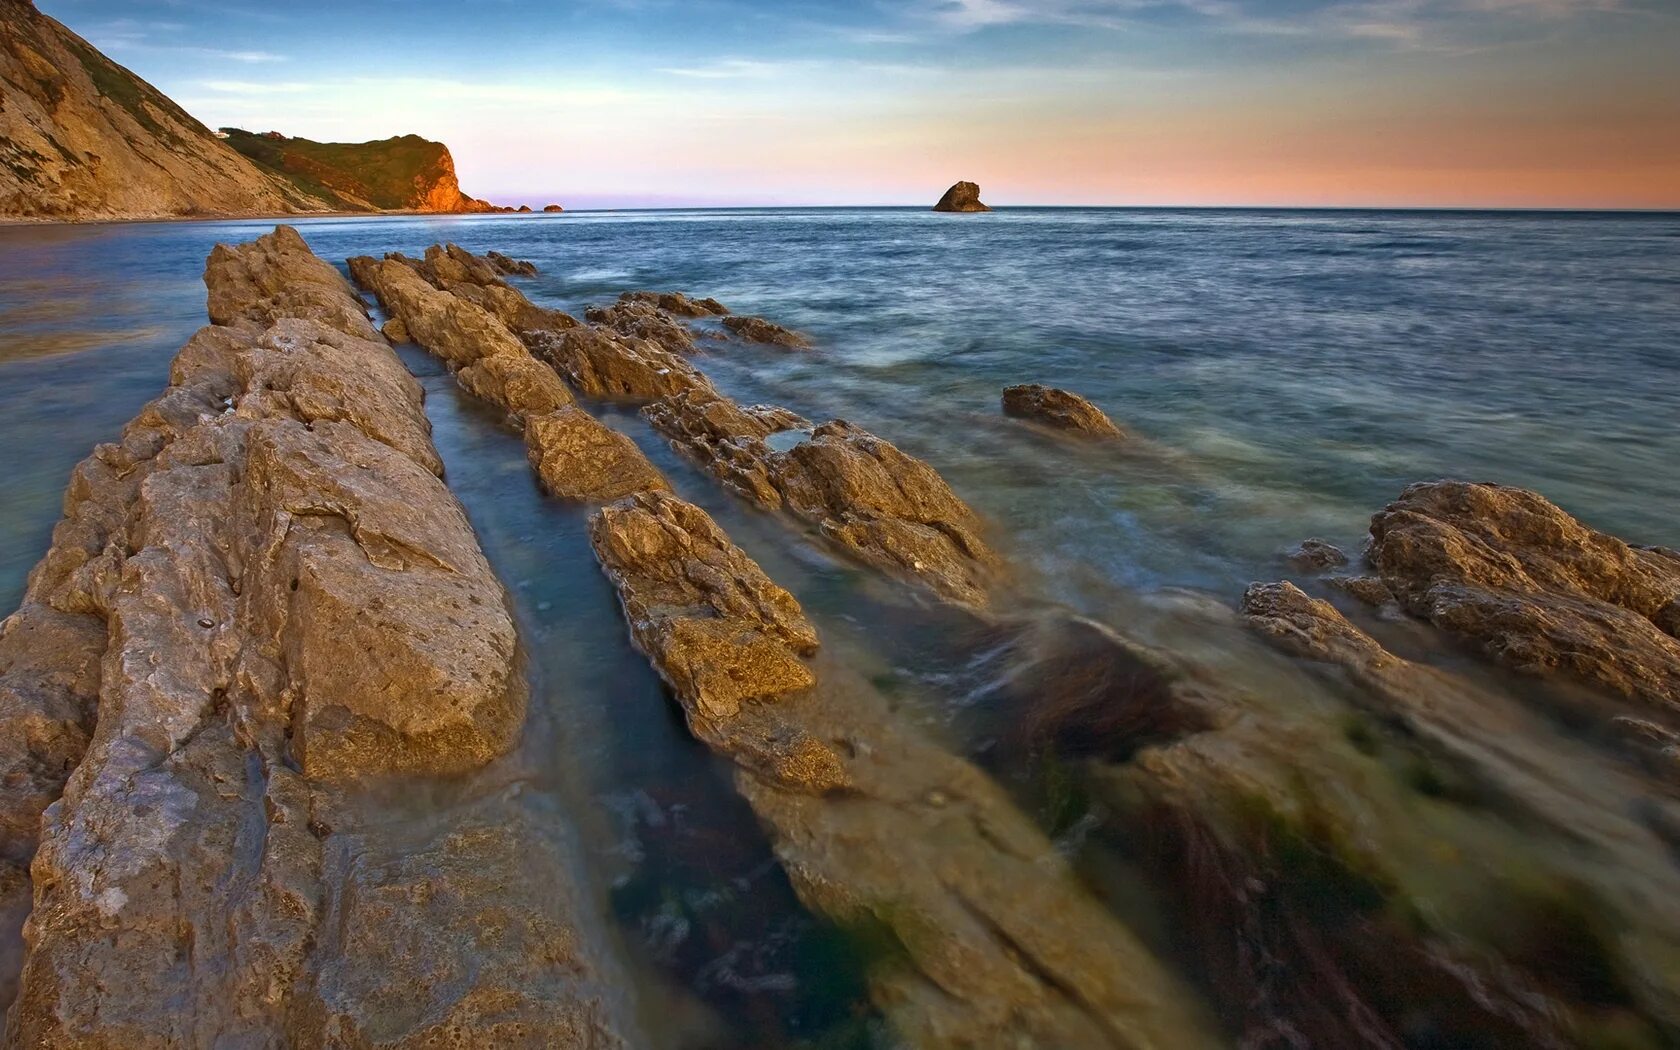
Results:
<point x="402" y="173"/>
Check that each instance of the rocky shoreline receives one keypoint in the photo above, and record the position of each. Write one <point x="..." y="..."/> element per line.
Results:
<point x="265" y="611"/>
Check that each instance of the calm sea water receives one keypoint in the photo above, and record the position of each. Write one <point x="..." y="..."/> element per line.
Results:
<point x="1285" y="374"/>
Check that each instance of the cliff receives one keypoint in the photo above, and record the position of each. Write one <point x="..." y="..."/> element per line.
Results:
<point x="83" y="138"/>
<point x="406" y="173"/>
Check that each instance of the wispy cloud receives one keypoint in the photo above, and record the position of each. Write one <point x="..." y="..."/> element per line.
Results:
<point x="730" y="69"/>
<point x="253" y="87"/>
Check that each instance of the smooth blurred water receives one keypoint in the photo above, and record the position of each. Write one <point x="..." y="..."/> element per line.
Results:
<point x="1284" y="375"/>
<point x="1286" y="372"/>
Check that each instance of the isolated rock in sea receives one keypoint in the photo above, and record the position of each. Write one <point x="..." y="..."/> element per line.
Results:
<point x="758" y="330"/>
<point x="639" y="320"/>
<point x="553" y="208"/>
<point x="577" y="457"/>
<point x="677" y="303"/>
<point x="1541" y="592"/>
<point x="1059" y="409"/>
<point x="283" y="597"/>
<point x="508" y="266"/>
<point x="963" y="196"/>
<point x="1315" y="555"/>
<point x="83" y="138"/>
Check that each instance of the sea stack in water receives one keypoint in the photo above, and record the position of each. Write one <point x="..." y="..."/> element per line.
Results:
<point x="1061" y="409"/>
<point x="964" y="196"/>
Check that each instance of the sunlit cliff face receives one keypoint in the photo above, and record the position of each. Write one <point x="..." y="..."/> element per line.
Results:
<point x="1521" y="103"/>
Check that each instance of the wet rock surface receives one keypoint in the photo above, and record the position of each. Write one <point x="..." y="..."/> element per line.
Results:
<point x="260" y="600"/>
<point x="758" y="330"/>
<point x="1315" y="555"/>
<point x="995" y="940"/>
<point x="577" y="457"/>
<point x="639" y="320"/>
<point x="1538" y="590"/>
<point x="1058" y="409"/>
<point x="677" y="303"/>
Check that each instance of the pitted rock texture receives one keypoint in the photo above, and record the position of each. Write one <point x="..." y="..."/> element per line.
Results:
<point x="261" y="600"/>
<point x="1541" y="592"/>
<point x="722" y="634"/>
<point x="640" y="320"/>
<point x="862" y="493"/>
<point x="1059" y="409"/>
<point x="579" y="458"/>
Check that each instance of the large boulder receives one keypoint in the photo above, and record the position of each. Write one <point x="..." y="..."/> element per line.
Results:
<point x="1538" y="590"/>
<point x="963" y="196"/>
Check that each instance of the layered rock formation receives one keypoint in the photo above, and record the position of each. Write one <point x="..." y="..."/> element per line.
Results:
<point x="402" y="173"/>
<point x="1058" y="409"/>
<point x="758" y="330"/>
<point x="962" y="196"/>
<point x="995" y="941"/>
<point x="1539" y="591"/>
<point x="83" y="138"/>
<point x="260" y="600"/>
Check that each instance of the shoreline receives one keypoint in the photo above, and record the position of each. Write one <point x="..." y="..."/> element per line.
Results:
<point x="1255" y="209"/>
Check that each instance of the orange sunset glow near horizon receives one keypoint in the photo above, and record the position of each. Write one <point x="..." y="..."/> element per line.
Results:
<point x="622" y="103"/>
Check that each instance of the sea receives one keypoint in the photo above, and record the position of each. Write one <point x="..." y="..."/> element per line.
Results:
<point x="1281" y="375"/>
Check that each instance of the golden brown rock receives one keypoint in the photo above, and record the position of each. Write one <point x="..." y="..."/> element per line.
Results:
<point x="877" y="828"/>
<point x="1059" y="409"/>
<point x="524" y="386"/>
<point x="677" y="303"/>
<point x="577" y="457"/>
<point x="280" y="597"/>
<point x="640" y="320"/>
<point x="758" y="330"/>
<point x="961" y="197"/>
<point x="886" y="508"/>
<point x="600" y="364"/>
<point x="1541" y="592"/>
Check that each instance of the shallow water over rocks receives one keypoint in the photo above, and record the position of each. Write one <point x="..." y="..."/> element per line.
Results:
<point x="1283" y="376"/>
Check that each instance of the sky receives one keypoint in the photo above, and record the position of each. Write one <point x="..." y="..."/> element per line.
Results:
<point x="615" y="103"/>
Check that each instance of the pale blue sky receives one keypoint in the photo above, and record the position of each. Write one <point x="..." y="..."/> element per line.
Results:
<point x="1565" y="102"/>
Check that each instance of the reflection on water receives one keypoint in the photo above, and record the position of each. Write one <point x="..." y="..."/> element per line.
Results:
<point x="1284" y="375"/>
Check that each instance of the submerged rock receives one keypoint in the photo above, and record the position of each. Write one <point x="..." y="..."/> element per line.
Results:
<point x="266" y="593"/>
<point x="577" y="457"/>
<point x="1541" y="592"/>
<point x="963" y="196"/>
<point x="677" y="303"/>
<point x="511" y="267"/>
<point x="758" y="330"/>
<point x="993" y="939"/>
<point x="1059" y="409"/>
<point x="1315" y="555"/>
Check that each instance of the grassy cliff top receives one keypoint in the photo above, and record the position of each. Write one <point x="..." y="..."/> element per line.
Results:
<point x="394" y="173"/>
